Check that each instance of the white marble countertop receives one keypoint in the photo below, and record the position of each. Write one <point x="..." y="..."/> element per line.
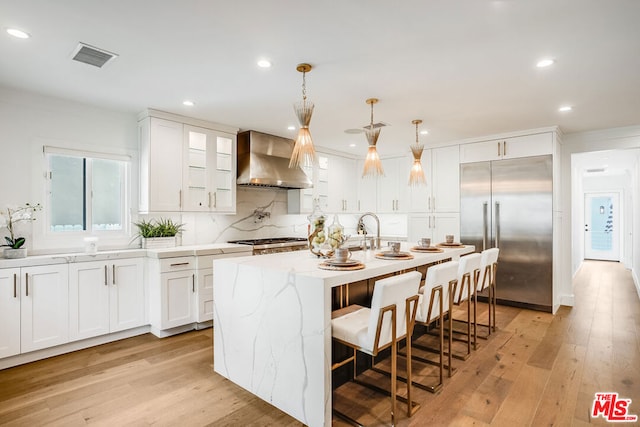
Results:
<point x="65" y="258"/>
<point x="304" y="263"/>
<point x="199" y="250"/>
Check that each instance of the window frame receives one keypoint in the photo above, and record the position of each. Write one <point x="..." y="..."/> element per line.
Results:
<point x="108" y="235"/>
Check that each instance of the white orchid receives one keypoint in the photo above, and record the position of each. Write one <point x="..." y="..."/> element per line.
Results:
<point x="11" y="216"/>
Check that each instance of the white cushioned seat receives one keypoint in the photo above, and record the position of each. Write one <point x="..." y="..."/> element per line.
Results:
<point x="352" y="327"/>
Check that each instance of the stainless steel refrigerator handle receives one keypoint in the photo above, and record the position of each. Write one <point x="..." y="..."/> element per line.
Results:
<point x="485" y="225"/>
<point x="497" y="224"/>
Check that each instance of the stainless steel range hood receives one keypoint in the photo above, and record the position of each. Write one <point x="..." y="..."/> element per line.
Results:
<point x="263" y="160"/>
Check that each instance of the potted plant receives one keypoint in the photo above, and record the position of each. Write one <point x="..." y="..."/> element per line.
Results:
<point x="10" y="218"/>
<point x="158" y="233"/>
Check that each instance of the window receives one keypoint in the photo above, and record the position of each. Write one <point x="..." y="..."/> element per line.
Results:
<point x="87" y="191"/>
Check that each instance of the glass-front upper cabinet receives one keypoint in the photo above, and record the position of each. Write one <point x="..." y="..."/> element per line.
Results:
<point x="209" y="170"/>
<point x="186" y="164"/>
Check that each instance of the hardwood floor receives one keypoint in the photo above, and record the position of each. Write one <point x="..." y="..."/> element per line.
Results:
<point x="537" y="369"/>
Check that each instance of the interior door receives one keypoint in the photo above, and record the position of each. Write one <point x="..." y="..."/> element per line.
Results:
<point x="601" y="222"/>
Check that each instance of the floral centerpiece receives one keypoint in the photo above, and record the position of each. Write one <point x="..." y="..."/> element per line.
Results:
<point x="10" y="218"/>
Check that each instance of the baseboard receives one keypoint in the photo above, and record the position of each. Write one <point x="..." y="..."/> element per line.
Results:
<point x="21" y="359"/>
<point x="162" y="333"/>
<point x="635" y="281"/>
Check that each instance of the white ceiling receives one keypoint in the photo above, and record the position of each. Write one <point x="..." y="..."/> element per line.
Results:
<point x="465" y="67"/>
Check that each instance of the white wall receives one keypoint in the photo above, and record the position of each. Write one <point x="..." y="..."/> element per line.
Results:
<point x="610" y="139"/>
<point x="28" y="122"/>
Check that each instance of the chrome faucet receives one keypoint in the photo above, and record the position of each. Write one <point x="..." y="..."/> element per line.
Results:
<point x="361" y="227"/>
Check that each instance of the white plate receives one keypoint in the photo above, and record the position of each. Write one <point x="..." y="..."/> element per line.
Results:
<point x="347" y="263"/>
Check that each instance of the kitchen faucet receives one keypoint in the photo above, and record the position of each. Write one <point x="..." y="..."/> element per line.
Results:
<point x="361" y="227"/>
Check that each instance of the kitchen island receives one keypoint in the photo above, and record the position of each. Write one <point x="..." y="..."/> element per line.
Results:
<point x="272" y="323"/>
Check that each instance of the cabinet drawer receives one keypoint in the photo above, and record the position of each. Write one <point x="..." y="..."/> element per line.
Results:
<point x="177" y="264"/>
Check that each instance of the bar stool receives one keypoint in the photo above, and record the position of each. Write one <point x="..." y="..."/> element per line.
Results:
<point x="468" y="276"/>
<point x="389" y="320"/>
<point x="435" y="304"/>
<point x="488" y="271"/>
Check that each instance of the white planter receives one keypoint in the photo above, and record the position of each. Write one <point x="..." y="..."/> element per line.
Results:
<point x="158" y="242"/>
<point x="11" y="253"/>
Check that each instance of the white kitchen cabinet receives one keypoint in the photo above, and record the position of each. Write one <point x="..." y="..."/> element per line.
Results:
<point x="367" y="190"/>
<point x="302" y="201"/>
<point x="204" y="280"/>
<point x="435" y="226"/>
<point x="172" y="293"/>
<point x="127" y="295"/>
<point x="341" y="194"/>
<point x="88" y="300"/>
<point x="186" y="165"/>
<point x="507" y="148"/>
<point x="105" y="297"/>
<point x="442" y="190"/>
<point x="44" y="307"/>
<point x="161" y="148"/>
<point x="178" y="298"/>
<point x="393" y="187"/>
<point x="9" y="312"/>
<point x="209" y="170"/>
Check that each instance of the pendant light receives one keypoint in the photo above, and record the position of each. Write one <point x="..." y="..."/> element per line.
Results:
<point x="372" y="164"/>
<point x="416" y="176"/>
<point x="303" y="152"/>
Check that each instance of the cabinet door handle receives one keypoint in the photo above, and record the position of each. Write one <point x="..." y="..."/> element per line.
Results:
<point x="358" y="205"/>
<point x="106" y="280"/>
<point x="26" y="283"/>
<point x="429" y="201"/>
<point x="209" y="198"/>
<point x="178" y="264"/>
<point x="434" y="202"/>
<point x="498" y="149"/>
<point x="193" y="283"/>
<point x="113" y="273"/>
<point x="180" y="198"/>
<point x="15" y="285"/>
<point x="215" y="199"/>
<point x="504" y="148"/>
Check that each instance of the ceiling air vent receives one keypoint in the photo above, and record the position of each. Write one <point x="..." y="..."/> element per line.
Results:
<point x="376" y="125"/>
<point x="92" y="55"/>
<point x="595" y="170"/>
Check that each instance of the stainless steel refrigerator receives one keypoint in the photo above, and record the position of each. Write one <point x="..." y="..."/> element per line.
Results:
<point x="508" y="204"/>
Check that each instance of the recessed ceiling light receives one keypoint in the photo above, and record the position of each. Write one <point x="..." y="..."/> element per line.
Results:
<point x="18" y="33"/>
<point x="291" y="128"/>
<point x="264" y="63"/>
<point x="188" y="103"/>
<point x="565" y="108"/>
<point x="543" y="63"/>
<point x="352" y="145"/>
<point x="424" y="132"/>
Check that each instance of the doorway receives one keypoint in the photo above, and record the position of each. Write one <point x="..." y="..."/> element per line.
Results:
<point x="602" y="226"/>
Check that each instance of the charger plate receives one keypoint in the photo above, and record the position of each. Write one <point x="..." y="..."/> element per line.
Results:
<point x="449" y="245"/>
<point x="325" y="266"/>
<point x="396" y="256"/>
<point x="430" y="249"/>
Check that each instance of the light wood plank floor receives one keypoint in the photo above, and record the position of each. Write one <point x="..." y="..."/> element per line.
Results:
<point x="537" y="369"/>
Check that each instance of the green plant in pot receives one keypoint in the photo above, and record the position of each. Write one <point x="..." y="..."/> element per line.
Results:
<point x="10" y="218"/>
<point x="157" y="233"/>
